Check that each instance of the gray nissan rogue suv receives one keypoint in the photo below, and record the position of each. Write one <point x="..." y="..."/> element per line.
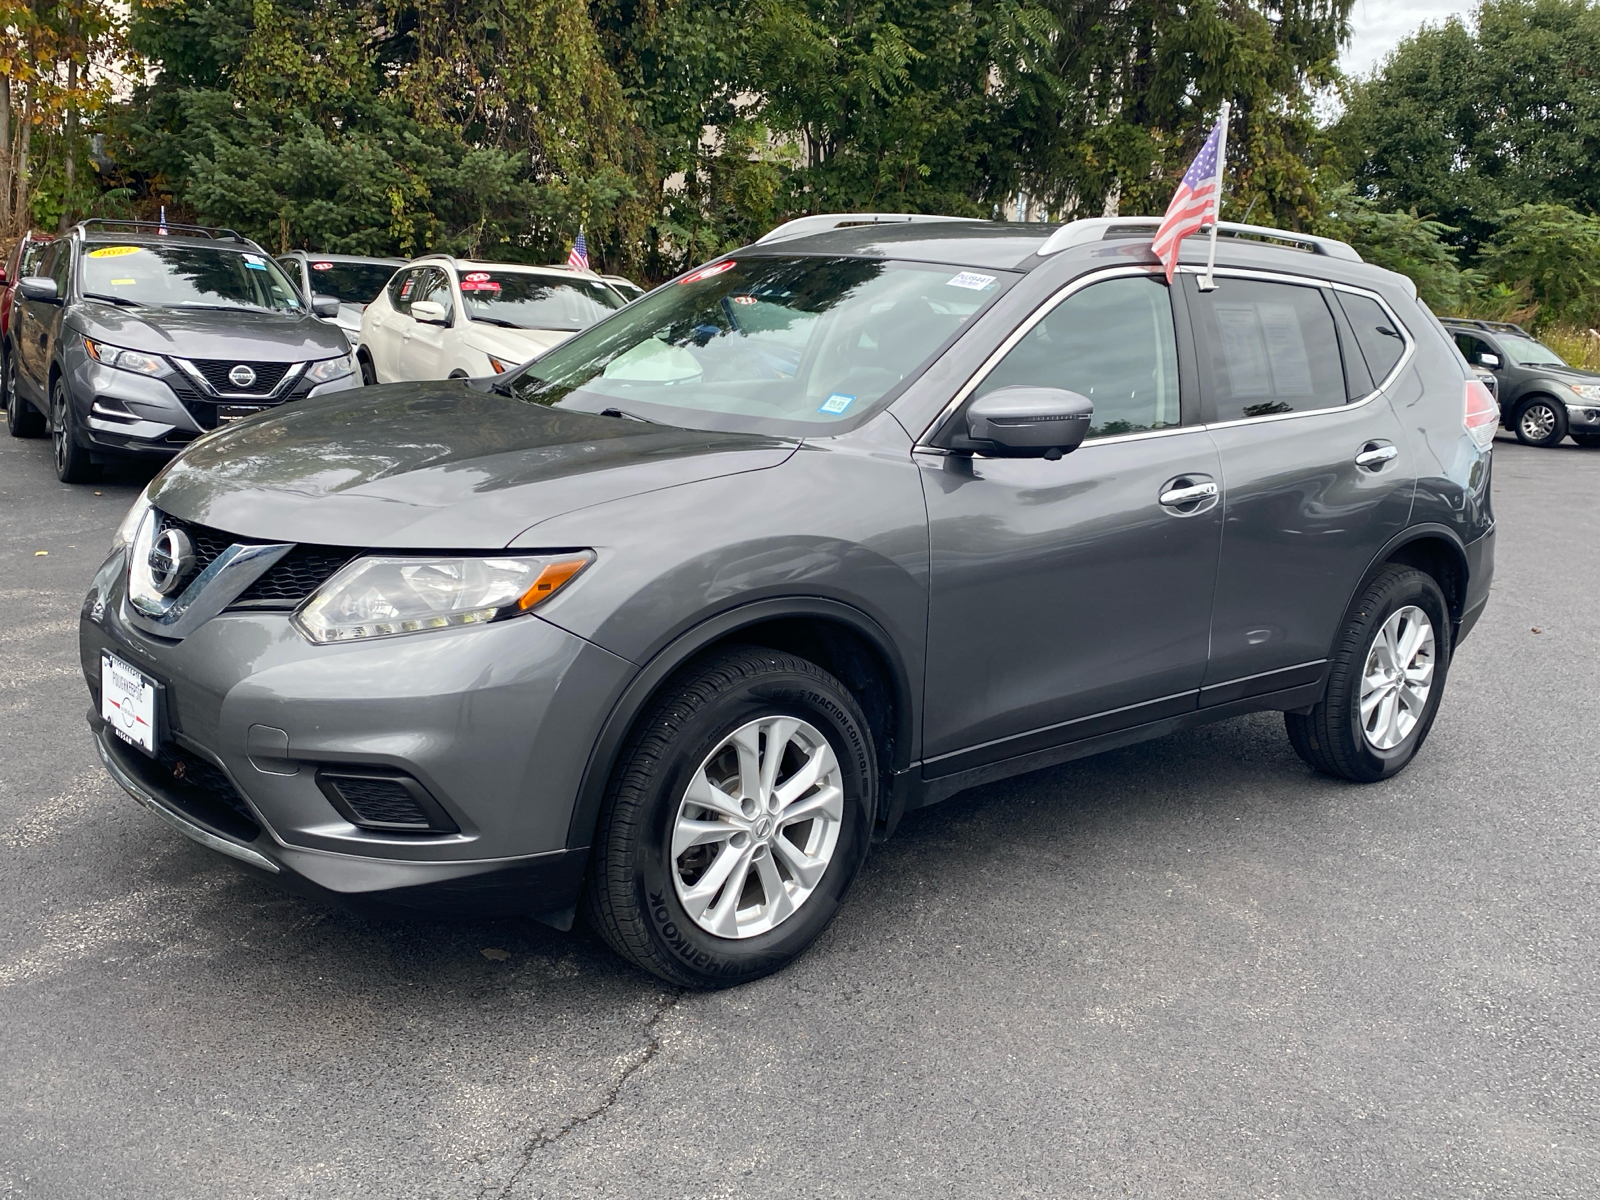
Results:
<point x="671" y="623"/>
<point x="136" y="338"/>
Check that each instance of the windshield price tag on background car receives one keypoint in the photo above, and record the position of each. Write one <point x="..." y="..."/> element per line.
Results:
<point x="254" y="263"/>
<point x="322" y="266"/>
<point x="836" y="403"/>
<point x="971" y="279"/>
<point x="113" y="251"/>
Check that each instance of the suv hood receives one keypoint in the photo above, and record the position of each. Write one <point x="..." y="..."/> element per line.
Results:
<point x="436" y="465"/>
<point x="243" y="333"/>
<point x="1567" y="374"/>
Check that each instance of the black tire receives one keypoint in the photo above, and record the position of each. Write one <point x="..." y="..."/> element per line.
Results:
<point x="1330" y="738"/>
<point x="1541" y="421"/>
<point x="72" y="460"/>
<point x="22" y="419"/>
<point x="631" y="898"/>
<point x="1589" y="441"/>
<point x="369" y="374"/>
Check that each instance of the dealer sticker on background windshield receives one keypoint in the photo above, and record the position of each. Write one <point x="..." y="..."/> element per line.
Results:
<point x="113" y="251"/>
<point x="837" y="403"/>
<point x="971" y="279"/>
<point x="128" y="702"/>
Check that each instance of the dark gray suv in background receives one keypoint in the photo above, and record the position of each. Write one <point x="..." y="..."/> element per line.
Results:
<point x="135" y="338"/>
<point x="671" y="623"/>
<point x="1542" y="398"/>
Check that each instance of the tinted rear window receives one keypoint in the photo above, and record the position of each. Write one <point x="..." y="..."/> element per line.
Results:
<point x="1270" y="347"/>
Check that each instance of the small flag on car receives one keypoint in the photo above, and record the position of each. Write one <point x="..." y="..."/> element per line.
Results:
<point x="1196" y="203"/>
<point x="579" y="258"/>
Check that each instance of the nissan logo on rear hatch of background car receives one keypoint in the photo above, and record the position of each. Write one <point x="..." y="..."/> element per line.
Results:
<point x="241" y="376"/>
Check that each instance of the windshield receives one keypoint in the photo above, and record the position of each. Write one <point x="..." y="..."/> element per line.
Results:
<point x="188" y="277"/>
<point x="353" y="282"/>
<point x="804" y="341"/>
<point x="525" y="301"/>
<point x="1526" y="352"/>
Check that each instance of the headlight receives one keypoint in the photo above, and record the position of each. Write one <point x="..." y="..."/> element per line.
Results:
<point x="330" y="368"/>
<point x="386" y="597"/>
<point x="125" y="360"/>
<point x="1589" y="391"/>
<point x="130" y="523"/>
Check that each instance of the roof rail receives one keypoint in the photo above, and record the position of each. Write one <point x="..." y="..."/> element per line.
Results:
<point x="1099" y="229"/>
<point x="172" y="227"/>
<point x="1491" y="326"/>
<point x="823" y="222"/>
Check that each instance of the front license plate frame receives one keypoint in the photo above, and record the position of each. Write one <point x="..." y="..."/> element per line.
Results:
<point x="228" y="413"/>
<point x="130" y="703"/>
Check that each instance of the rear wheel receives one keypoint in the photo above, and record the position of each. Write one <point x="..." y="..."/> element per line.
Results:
<point x="737" y="817"/>
<point x="1384" y="683"/>
<point x="72" y="460"/>
<point x="369" y="376"/>
<point x="1541" y="422"/>
<point x="22" y="419"/>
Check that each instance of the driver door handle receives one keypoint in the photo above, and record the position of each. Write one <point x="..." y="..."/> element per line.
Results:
<point x="1188" y="495"/>
<point x="1375" y="454"/>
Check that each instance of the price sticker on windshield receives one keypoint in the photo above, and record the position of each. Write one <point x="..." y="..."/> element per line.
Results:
<point x="322" y="266"/>
<point x="476" y="277"/>
<point x="113" y="251"/>
<point x="971" y="279"/>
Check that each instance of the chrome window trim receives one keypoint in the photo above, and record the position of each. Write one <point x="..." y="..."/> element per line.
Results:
<point x="1089" y="280"/>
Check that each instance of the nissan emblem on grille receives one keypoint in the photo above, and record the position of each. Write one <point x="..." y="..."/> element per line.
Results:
<point x="241" y="376"/>
<point x="171" y="558"/>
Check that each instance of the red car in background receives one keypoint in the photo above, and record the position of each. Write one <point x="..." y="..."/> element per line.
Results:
<point x="22" y="261"/>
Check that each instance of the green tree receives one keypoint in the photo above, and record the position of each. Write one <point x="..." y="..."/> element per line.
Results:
<point x="1403" y="242"/>
<point x="1552" y="254"/>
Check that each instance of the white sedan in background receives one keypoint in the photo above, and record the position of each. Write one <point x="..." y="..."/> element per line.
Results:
<point x="447" y="318"/>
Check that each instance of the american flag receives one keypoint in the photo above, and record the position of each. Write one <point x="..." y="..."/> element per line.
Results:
<point x="1194" y="205"/>
<point x="579" y="258"/>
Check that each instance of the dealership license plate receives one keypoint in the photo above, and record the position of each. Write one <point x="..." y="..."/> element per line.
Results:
<point x="128" y="702"/>
<point x="236" y="412"/>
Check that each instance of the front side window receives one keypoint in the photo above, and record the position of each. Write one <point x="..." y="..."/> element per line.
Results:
<point x="1267" y="348"/>
<point x="352" y="283"/>
<point x="187" y="277"/>
<point x="1112" y="342"/>
<point x="434" y="285"/>
<point x="403" y="289"/>
<point x="1526" y="352"/>
<point x="782" y="345"/>
<point x="520" y="300"/>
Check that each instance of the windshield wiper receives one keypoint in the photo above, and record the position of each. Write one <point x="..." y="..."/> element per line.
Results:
<point x="626" y="416"/>
<point x="122" y="300"/>
<point x="499" y="322"/>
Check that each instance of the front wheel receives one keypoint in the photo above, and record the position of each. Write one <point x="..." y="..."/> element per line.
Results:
<point x="22" y="419"/>
<point x="1541" y="422"/>
<point x="369" y="375"/>
<point x="72" y="460"/>
<point x="1384" y="682"/>
<point x="738" y="816"/>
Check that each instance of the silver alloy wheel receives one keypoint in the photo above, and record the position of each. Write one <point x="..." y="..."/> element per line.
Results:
<point x="1538" y="422"/>
<point x="757" y="827"/>
<point x="1397" y="678"/>
<point x="58" y="428"/>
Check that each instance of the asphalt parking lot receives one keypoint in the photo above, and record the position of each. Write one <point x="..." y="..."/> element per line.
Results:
<point x="1187" y="969"/>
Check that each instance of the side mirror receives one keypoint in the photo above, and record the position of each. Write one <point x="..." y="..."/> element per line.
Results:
<point x="1026" y="422"/>
<point x="39" y="287"/>
<point x="1489" y="360"/>
<point x="325" y="306"/>
<point x="429" y="312"/>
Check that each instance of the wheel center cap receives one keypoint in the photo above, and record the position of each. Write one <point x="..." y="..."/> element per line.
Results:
<point x="763" y="827"/>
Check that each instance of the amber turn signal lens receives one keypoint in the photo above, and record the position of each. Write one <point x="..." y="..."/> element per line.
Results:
<point x="552" y="579"/>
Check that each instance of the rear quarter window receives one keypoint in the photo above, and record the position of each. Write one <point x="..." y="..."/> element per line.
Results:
<point x="1381" y="343"/>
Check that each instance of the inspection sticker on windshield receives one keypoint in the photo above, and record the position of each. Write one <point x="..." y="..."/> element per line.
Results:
<point x="128" y="702"/>
<point x="837" y="403"/>
<point x="254" y="262"/>
<point x="122" y="282"/>
<point x="971" y="279"/>
<point x="113" y="251"/>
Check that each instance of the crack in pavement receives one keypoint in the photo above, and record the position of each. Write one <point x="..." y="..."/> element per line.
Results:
<point x="542" y="1139"/>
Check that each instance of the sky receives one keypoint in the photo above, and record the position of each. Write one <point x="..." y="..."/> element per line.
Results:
<point x="1378" y="25"/>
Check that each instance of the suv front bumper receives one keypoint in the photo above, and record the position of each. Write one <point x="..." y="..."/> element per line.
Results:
<point x="496" y="724"/>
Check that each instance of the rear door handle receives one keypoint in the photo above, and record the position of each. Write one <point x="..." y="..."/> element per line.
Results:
<point x="1189" y="494"/>
<point x="1375" y="454"/>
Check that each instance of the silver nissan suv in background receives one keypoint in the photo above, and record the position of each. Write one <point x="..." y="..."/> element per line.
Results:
<point x="668" y="625"/>
<point x="135" y="338"/>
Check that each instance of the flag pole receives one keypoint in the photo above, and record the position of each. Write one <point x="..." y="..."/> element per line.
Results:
<point x="1210" y="281"/>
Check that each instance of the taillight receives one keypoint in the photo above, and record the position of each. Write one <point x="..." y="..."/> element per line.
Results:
<point x="1482" y="413"/>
